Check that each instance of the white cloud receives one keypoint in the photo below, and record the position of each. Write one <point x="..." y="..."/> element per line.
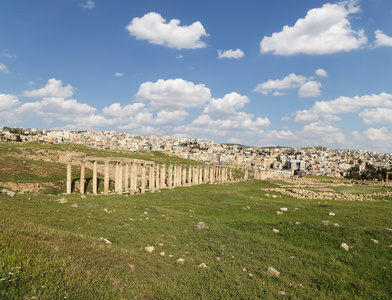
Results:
<point x="89" y="5"/>
<point x="378" y="134"/>
<point x="8" y="55"/>
<point x="290" y="81"/>
<point x="53" y="88"/>
<point x="179" y="56"/>
<point x="7" y="102"/>
<point x="276" y="93"/>
<point x="115" y="110"/>
<point x="310" y="89"/>
<point x="230" y="53"/>
<point x="342" y="105"/>
<point x="324" y="30"/>
<point x="118" y="74"/>
<point x="321" y="73"/>
<point x="320" y="127"/>
<point x="382" y="39"/>
<point x="377" y="115"/>
<point x="166" y="117"/>
<point x="152" y="27"/>
<point x="234" y="141"/>
<point x="227" y="105"/>
<point x="173" y="94"/>
<point x="56" y="107"/>
<point x="4" y="68"/>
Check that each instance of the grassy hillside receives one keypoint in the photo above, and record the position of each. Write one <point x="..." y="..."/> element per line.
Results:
<point x="54" y="250"/>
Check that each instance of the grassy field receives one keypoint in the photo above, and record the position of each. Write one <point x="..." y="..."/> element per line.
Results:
<point x="50" y="250"/>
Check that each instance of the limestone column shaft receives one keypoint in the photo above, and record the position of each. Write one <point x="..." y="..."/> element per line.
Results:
<point x="157" y="180"/>
<point x="106" y="179"/>
<point x="82" y="176"/>
<point x="69" y="177"/>
<point x="126" y="179"/>
<point x="143" y="184"/>
<point x="231" y="176"/>
<point x="95" y="178"/>
<point x="169" y="178"/>
<point x="200" y="174"/>
<point x="151" y="179"/>
<point x="163" y="176"/>
<point x="212" y="173"/>
<point x="195" y="176"/>
<point x="184" y="176"/>
<point x="116" y="178"/>
<point x="120" y="178"/>
<point x="133" y="178"/>
<point x="205" y="174"/>
<point x="189" y="175"/>
<point x="174" y="175"/>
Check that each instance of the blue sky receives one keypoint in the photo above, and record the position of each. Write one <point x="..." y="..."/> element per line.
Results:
<point x="283" y="72"/>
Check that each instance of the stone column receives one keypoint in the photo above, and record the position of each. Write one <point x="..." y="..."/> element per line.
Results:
<point x="189" y="175"/>
<point x="205" y="179"/>
<point x="175" y="176"/>
<point x="95" y="178"/>
<point x="212" y="174"/>
<point x="120" y="178"/>
<point x="107" y="179"/>
<point x="163" y="176"/>
<point x="69" y="177"/>
<point x="246" y="175"/>
<point x="169" y="178"/>
<point x="126" y="179"/>
<point x="151" y="179"/>
<point x="195" y="176"/>
<point x="82" y="175"/>
<point x="116" y="178"/>
<point x="133" y="178"/>
<point x="157" y="182"/>
<point x="231" y="176"/>
<point x="200" y="170"/>
<point x="184" y="176"/>
<point x="143" y="185"/>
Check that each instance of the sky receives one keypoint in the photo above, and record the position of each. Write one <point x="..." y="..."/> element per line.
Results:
<point x="258" y="73"/>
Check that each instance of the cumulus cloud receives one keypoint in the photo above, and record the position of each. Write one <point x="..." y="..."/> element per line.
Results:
<point x="153" y="27"/>
<point x="377" y="115"/>
<point x="4" y="68"/>
<point x="173" y="94"/>
<point x="230" y="53"/>
<point x="167" y="117"/>
<point x="310" y="89"/>
<point x="118" y="74"/>
<point x="7" y="102"/>
<point x="382" y="39"/>
<point x="53" y="88"/>
<point x="343" y="105"/>
<point x="115" y="110"/>
<point x="324" y="30"/>
<point x="378" y="134"/>
<point x="227" y="105"/>
<point x="321" y="73"/>
<point x="289" y="82"/>
<point x="88" y="5"/>
<point x="63" y="109"/>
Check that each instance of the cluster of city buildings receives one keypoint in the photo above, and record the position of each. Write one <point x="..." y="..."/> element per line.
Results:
<point x="307" y="161"/>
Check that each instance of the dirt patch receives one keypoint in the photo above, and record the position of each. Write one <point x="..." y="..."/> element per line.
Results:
<point x="26" y="187"/>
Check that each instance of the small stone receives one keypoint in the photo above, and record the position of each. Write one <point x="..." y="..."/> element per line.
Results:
<point x="199" y="226"/>
<point x="106" y="241"/>
<point x="389" y="229"/>
<point x="244" y="269"/>
<point x="279" y="212"/>
<point x="105" y="210"/>
<point x="62" y="200"/>
<point x="218" y="259"/>
<point x="162" y="253"/>
<point x="203" y="265"/>
<point x="374" y="241"/>
<point x="297" y="223"/>
<point x="281" y="293"/>
<point x="331" y="214"/>
<point x="273" y="272"/>
<point x="11" y="193"/>
<point x="74" y="205"/>
<point x="275" y="230"/>
<point x="83" y="196"/>
<point x="344" y="246"/>
<point x="250" y="275"/>
<point x="325" y="223"/>
<point x="336" y="224"/>
<point x="181" y="261"/>
<point x="150" y="249"/>
<point x="283" y="209"/>
<point x="146" y="213"/>
<point x="171" y="255"/>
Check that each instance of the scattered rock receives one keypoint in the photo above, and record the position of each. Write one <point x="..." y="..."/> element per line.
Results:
<point x="199" y="226"/>
<point x="344" y="246"/>
<point x="273" y="272"/>
<point x="62" y="200"/>
<point x="326" y="223"/>
<point x="244" y="269"/>
<point x="374" y="241"/>
<point x="74" y="205"/>
<point x="106" y="241"/>
<point x="181" y="261"/>
<point x="162" y="253"/>
<point x="146" y="213"/>
<point x="283" y="209"/>
<point x="331" y="214"/>
<point x="297" y="223"/>
<point x="250" y="275"/>
<point x="281" y="293"/>
<point x="150" y="249"/>
<point x="83" y="196"/>
<point x="203" y="265"/>
<point x="389" y="229"/>
<point x="279" y="212"/>
<point x="218" y="259"/>
<point x="11" y="193"/>
<point x="275" y="230"/>
<point x="336" y="224"/>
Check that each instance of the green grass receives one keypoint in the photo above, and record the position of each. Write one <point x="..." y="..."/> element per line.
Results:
<point x="51" y="250"/>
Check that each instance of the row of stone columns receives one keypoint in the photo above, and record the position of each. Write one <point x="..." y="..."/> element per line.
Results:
<point x="133" y="177"/>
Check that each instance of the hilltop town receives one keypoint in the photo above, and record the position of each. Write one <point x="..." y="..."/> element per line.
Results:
<point x="280" y="160"/>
